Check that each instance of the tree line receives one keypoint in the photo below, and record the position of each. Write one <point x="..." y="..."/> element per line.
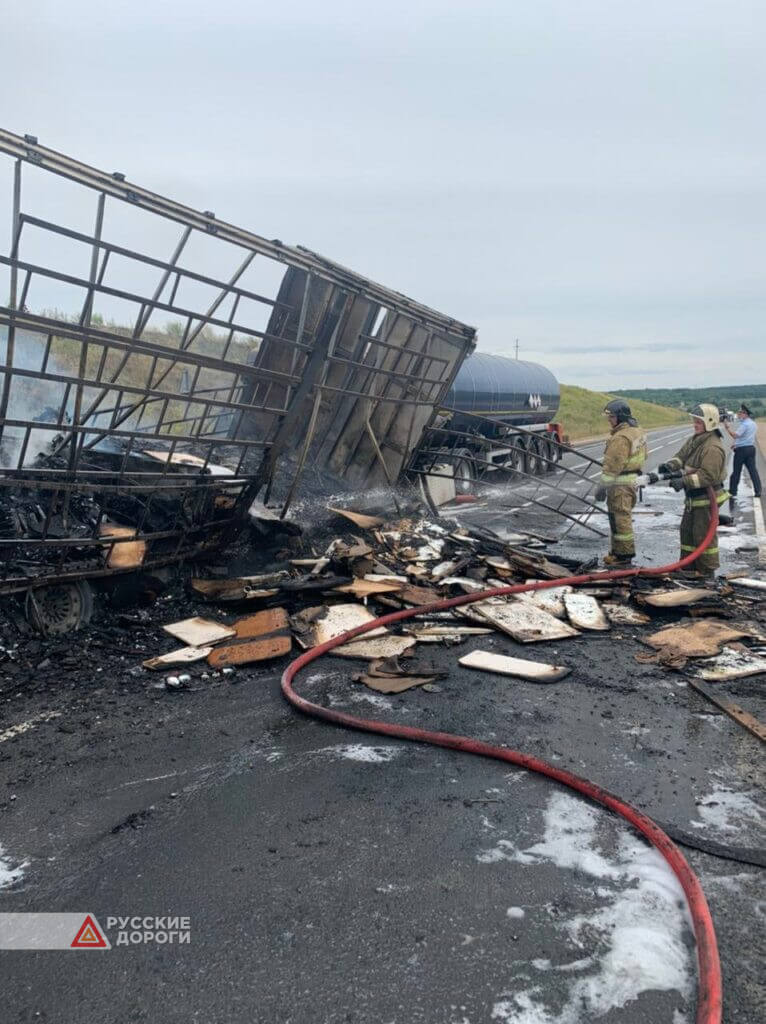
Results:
<point x="730" y="397"/>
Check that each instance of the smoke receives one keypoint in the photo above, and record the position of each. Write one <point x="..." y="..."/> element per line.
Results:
<point x="31" y="399"/>
<point x="44" y="401"/>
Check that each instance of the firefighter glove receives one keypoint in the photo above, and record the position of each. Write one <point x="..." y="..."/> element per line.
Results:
<point x="663" y="468"/>
<point x="677" y="483"/>
<point x="600" y="493"/>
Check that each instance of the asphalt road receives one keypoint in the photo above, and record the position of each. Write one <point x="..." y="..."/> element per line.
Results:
<point x="335" y="877"/>
<point x="513" y="506"/>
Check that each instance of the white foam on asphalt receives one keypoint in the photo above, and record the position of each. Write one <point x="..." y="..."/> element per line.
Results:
<point x="358" y="752"/>
<point x="727" y="811"/>
<point x="570" y="827"/>
<point x="634" y="942"/>
<point x="8" y="874"/>
<point x="515" y="912"/>
<point x="377" y="701"/>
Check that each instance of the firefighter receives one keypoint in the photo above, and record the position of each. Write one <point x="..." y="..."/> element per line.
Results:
<point x="624" y="458"/>
<point x="700" y="463"/>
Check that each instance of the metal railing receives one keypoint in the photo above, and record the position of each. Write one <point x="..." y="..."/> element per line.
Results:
<point x="444" y="445"/>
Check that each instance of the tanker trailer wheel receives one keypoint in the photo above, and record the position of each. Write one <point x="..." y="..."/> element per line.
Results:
<point x="552" y="452"/>
<point x="60" y="607"/>
<point x="534" y="462"/>
<point x="515" y="462"/>
<point x="464" y="469"/>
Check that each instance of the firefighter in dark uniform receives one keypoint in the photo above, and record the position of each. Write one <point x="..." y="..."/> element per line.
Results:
<point x="624" y="458"/>
<point x="701" y="462"/>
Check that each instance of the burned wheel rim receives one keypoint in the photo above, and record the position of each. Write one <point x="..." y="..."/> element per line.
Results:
<point x="59" y="608"/>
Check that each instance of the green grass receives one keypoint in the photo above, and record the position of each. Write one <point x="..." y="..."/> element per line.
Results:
<point x="582" y="413"/>
<point x="753" y="395"/>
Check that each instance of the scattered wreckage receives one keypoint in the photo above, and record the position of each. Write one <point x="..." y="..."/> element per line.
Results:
<point x="198" y="367"/>
<point x="376" y="566"/>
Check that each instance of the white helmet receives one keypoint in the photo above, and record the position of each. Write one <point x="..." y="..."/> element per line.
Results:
<point x="708" y="414"/>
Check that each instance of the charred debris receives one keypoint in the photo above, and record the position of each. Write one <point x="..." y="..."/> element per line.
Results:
<point x="361" y="565"/>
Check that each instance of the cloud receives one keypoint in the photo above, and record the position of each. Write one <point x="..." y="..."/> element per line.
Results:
<point x="583" y="177"/>
<point x="617" y="349"/>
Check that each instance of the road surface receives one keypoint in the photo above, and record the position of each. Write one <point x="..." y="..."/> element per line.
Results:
<point x="338" y="878"/>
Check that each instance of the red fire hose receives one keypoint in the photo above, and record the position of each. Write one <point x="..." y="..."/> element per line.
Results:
<point x="710" y="993"/>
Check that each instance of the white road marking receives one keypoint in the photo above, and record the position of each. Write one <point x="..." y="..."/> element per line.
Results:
<point x="760" y="530"/>
<point x="149" y="778"/>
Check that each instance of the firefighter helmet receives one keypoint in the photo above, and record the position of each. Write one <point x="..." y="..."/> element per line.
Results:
<point x="618" y="408"/>
<point x="708" y="414"/>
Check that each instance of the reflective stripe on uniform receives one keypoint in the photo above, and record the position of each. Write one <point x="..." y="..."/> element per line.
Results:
<point x="707" y="551"/>
<point x="705" y="502"/>
<point x="607" y="479"/>
<point x="622" y="536"/>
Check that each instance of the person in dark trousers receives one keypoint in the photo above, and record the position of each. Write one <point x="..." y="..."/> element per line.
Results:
<point x="700" y="463"/>
<point x="744" y="451"/>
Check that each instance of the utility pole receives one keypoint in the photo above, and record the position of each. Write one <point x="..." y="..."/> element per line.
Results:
<point x="517" y="348"/>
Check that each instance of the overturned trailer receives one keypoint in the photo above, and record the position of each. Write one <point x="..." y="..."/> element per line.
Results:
<point x="155" y="365"/>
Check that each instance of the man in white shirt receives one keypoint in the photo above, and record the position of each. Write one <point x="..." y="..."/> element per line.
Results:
<point x="744" y="451"/>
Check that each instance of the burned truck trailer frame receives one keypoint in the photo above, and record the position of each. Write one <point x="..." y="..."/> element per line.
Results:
<point x="362" y="440"/>
<point x="156" y="363"/>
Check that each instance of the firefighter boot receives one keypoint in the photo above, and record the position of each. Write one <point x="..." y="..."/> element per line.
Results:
<point x="618" y="561"/>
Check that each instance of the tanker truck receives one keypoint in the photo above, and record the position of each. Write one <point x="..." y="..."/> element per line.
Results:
<point x="498" y="417"/>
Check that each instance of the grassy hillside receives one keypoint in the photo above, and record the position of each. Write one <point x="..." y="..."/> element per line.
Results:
<point x="582" y="412"/>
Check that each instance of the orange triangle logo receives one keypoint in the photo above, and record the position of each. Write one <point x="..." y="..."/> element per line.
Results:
<point x="89" y="936"/>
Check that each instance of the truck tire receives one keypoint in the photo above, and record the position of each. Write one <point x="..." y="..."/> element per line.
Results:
<point x="552" y="452"/>
<point x="534" y="462"/>
<point x="516" y="458"/>
<point x="59" y="608"/>
<point x="465" y="471"/>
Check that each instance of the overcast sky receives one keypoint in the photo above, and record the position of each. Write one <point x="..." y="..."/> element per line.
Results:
<point x="588" y="176"/>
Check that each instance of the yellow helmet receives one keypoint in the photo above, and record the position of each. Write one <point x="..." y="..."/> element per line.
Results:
<point x="708" y="414"/>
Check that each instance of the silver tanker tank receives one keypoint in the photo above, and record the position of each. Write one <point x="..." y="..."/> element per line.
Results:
<point x="515" y="391"/>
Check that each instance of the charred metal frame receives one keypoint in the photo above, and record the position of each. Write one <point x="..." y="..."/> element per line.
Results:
<point x="340" y="353"/>
<point x="424" y="461"/>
